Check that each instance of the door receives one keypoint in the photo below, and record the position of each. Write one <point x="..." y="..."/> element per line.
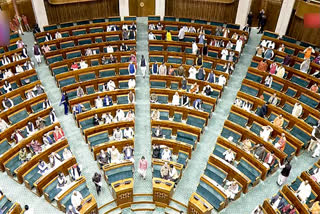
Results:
<point x="141" y="7"/>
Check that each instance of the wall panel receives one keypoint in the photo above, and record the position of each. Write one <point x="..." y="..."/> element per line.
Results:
<point x="223" y="11"/>
<point x="24" y="7"/>
<point x="81" y="10"/>
<point x="272" y="9"/>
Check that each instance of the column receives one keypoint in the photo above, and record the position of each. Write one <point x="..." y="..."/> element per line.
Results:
<point x="160" y="8"/>
<point x="242" y="12"/>
<point x="40" y="13"/>
<point x="284" y="17"/>
<point x="124" y="8"/>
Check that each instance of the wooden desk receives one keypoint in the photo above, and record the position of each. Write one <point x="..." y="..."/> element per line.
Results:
<point x="197" y="206"/>
<point x="123" y="193"/>
<point x="162" y="192"/>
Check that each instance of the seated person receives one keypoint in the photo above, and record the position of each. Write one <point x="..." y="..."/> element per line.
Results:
<point x="288" y="209"/>
<point x="269" y="160"/>
<point x="232" y="189"/>
<point x="153" y="98"/>
<point x="131" y="97"/>
<point x="229" y="156"/>
<point x="128" y="152"/>
<point x="114" y="154"/>
<point x="176" y="99"/>
<point x="40" y="123"/>
<point x="262" y="65"/>
<point x="62" y="181"/>
<point x="266" y="132"/>
<point x="157" y="132"/>
<point x="76" y="200"/>
<point x="207" y="90"/>
<point x="156" y="151"/>
<point x="260" y="51"/>
<point x="103" y="158"/>
<point x="263" y="110"/>
<point x="3" y="125"/>
<point x="96" y="120"/>
<point x="128" y="133"/>
<point x="55" y="159"/>
<point x="74" y="66"/>
<point x="120" y="116"/>
<point x="268" y="80"/>
<point x="117" y="134"/>
<point x="75" y="172"/>
<point x="30" y="95"/>
<point x="185" y="100"/>
<point x="164" y="171"/>
<point x="98" y="102"/>
<point x="107" y="101"/>
<point x="35" y="146"/>
<point x="316" y="175"/>
<point x="194" y="88"/>
<point x="83" y="64"/>
<point x="47" y="140"/>
<point x="197" y="104"/>
<point x="66" y="154"/>
<point x="78" y="108"/>
<point x="222" y="80"/>
<point x="259" y="151"/>
<point x="246" y="145"/>
<point x="268" y="54"/>
<point x="30" y="128"/>
<point x="58" y="133"/>
<point x="277" y="202"/>
<point x="278" y="121"/>
<point x="43" y="167"/>
<point x="228" y="68"/>
<point x="281" y="144"/>
<point x="173" y="173"/>
<point x="201" y="74"/>
<point x="166" y="154"/>
<point x="7" y="103"/>
<point x="131" y="83"/>
<point x="130" y="116"/>
<point x="107" y="118"/>
<point x="17" y="136"/>
<point x="304" y="191"/>
<point x="80" y="92"/>
<point x="297" y="110"/>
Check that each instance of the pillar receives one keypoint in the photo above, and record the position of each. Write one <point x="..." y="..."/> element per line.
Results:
<point x="124" y="8"/>
<point x="40" y="13"/>
<point x="160" y="8"/>
<point x="284" y="17"/>
<point x="242" y="12"/>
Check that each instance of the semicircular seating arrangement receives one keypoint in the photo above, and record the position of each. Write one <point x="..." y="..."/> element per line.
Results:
<point x="94" y="62"/>
<point x="34" y="150"/>
<point x="290" y="198"/>
<point x="262" y="123"/>
<point x="180" y="104"/>
<point x="100" y="89"/>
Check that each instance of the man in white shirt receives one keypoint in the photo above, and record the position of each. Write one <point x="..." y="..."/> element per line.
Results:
<point x="181" y="34"/>
<point x="115" y="155"/>
<point x="176" y="99"/>
<point x="110" y="86"/>
<point x="3" y="125"/>
<point x="119" y="115"/>
<point x="166" y="154"/>
<point x="192" y="72"/>
<point x="109" y="49"/>
<point x="99" y="102"/>
<point x="7" y="103"/>
<point x="304" y="191"/>
<point x="228" y="155"/>
<point x="297" y="110"/>
<point x="222" y="80"/>
<point x="128" y="133"/>
<point x="76" y="199"/>
<point x="194" y="48"/>
<point x="117" y="134"/>
<point x="131" y="83"/>
<point x="151" y="36"/>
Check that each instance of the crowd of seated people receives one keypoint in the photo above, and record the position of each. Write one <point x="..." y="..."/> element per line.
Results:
<point x="112" y="155"/>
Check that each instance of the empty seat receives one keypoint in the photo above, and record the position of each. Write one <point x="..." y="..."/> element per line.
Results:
<point x="215" y="174"/>
<point x="253" y="77"/>
<point x="251" y="172"/>
<point x="210" y="194"/>
<point x="60" y="69"/>
<point x="308" y="100"/>
<point x="98" y="138"/>
<point x="86" y="123"/>
<point x="120" y="173"/>
<point x="238" y="119"/>
<point x="226" y="133"/>
<point x="196" y="121"/>
<point x="18" y="116"/>
<point x="186" y="138"/>
<point x="4" y="146"/>
<point x="249" y="90"/>
<point x="87" y="77"/>
<point x="157" y="84"/>
<point x="182" y="158"/>
<point x="300" y="134"/>
<point x="67" y="81"/>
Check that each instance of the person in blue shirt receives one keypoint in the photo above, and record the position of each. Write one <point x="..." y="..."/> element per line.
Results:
<point x="197" y="104"/>
<point x="155" y="68"/>
<point x="131" y="68"/>
<point x="107" y="101"/>
<point x="65" y="102"/>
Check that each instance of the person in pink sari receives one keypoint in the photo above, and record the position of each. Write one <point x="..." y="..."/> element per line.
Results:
<point x="273" y="68"/>
<point x="58" y="133"/>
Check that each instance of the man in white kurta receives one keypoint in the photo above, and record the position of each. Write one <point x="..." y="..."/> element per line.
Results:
<point x="297" y="110"/>
<point x="76" y="199"/>
<point x="304" y="191"/>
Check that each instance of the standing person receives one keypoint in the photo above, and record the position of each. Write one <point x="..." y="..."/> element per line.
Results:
<point x="65" y="102"/>
<point x="261" y="13"/>
<point x="249" y="20"/>
<point x="143" y="66"/>
<point x="26" y="23"/>
<point x="37" y="52"/>
<point x="315" y="138"/>
<point x="96" y="179"/>
<point x="284" y="174"/>
<point x="143" y="165"/>
<point x="263" y="23"/>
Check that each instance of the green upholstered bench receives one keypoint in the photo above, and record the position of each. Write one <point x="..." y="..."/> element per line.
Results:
<point x="254" y="64"/>
<point x="13" y="164"/>
<point x="299" y="81"/>
<point x="156" y="58"/>
<point x="112" y="38"/>
<point x="17" y="99"/>
<point x="107" y="73"/>
<point x="295" y="185"/>
<point x="79" y="32"/>
<point x="53" y="59"/>
<point x="123" y="71"/>
<point x="270" y="34"/>
<point x="226" y="133"/>
<point x="87" y="77"/>
<point x="289" y="39"/>
<point x="155" y="48"/>
<point x="186" y="138"/>
<point x="177" y="117"/>
<point x="67" y="81"/>
<point x="37" y="107"/>
<point x="66" y="24"/>
<point x="60" y="70"/>
<point x="29" y="79"/>
<point x="163" y="99"/>
<point x="122" y="99"/>
<point x="249" y="90"/>
<point x="247" y="169"/>
<point x="72" y="94"/>
<point x="50" y="27"/>
<point x="210" y="194"/>
<point x="83" y="189"/>
<point x="120" y="173"/>
<point x="4" y="146"/>
<point x="195" y="121"/>
<point x="51" y="190"/>
<point x="83" y="22"/>
<point x="97" y="139"/>
<point x="242" y="121"/>
<point x="84" y="42"/>
<point x="20" y="115"/>
<point x="291" y="92"/>
<point x="198" y="21"/>
<point x="300" y="134"/>
<point x="171" y="28"/>
<point x="308" y="101"/>
<point x="219" y="150"/>
<point x="253" y="77"/>
<point x="207" y="65"/>
<point x="207" y="107"/>
<point x="157" y="84"/>
<point x="185" y="20"/>
<point x="68" y="44"/>
<point x="182" y="158"/>
<point x="85" y="124"/>
<point x="174" y="49"/>
<point x="215" y="174"/>
<point x="164" y="115"/>
<point x="213" y="54"/>
<point x="123" y="84"/>
<point x="255" y="128"/>
<point x="73" y="54"/>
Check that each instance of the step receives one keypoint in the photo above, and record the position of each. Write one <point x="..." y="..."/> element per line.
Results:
<point x="142" y="206"/>
<point x="109" y="207"/>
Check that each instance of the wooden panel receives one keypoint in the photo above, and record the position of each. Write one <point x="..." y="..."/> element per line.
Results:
<point x="24" y="7"/>
<point x="272" y="9"/>
<point x="224" y="11"/>
<point x="79" y="11"/>
<point x="141" y="7"/>
<point x="296" y="27"/>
